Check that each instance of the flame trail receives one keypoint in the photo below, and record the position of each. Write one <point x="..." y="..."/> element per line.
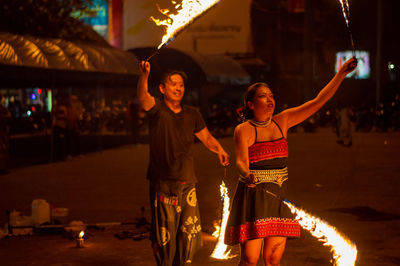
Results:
<point x="344" y="251"/>
<point x="187" y="12"/>
<point x="345" y="10"/>
<point x="221" y="250"/>
<point x="346" y="15"/>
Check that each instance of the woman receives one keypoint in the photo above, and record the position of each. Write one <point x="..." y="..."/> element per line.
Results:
<point x="258" y="214"/>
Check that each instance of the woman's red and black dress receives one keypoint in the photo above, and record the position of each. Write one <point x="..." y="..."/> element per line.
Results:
<point x="259" y="212"/>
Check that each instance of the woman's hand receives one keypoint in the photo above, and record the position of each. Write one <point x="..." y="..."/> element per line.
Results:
<point x="349" y="66"/>
<point x="251" y="180"/>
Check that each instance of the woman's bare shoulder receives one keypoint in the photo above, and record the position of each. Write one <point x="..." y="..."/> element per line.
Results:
<point x="281" y="118"/>
<point x="243" y="126"/>
<point x="243" y="129"/>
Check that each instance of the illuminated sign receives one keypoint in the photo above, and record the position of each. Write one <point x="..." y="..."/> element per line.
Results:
<point x="97" y="17"/>
<point x="363" y="68"/>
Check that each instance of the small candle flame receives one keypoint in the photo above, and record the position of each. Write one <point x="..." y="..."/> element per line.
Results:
<point x="344" y="251"/>
<point x="81" y="234"/>
<point x="221" y="251"/>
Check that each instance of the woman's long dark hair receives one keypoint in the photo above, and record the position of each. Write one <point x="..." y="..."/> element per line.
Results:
<point x="245" y="112"/>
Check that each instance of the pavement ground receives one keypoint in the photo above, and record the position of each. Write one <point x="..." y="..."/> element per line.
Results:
<point x="355" y="189"/>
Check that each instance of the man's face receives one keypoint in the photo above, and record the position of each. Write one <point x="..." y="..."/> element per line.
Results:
<point x="173" y="89"/>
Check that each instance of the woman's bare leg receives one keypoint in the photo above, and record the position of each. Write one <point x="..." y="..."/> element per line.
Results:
<point x="273" y="250"/>
<point x="250" y="252"/>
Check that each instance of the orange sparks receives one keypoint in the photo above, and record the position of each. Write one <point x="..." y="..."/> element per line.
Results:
<point x="345" y="10"/>
<point x="187" y="11"/>
<point x="344" y="251"/>
<point x="221" y="251"/>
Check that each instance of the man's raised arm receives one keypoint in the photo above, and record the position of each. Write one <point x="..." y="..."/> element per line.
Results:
<point x="143" y="94"/>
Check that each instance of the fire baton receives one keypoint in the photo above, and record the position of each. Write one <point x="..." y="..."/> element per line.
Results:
<point x="152" y="54"/>
<point x="346" y="15"/>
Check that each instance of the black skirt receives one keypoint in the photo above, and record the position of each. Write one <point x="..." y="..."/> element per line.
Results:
<point x="258" y="213"/>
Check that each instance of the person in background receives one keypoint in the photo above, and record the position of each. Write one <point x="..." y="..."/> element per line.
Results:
<point x="60" y="126"/>
<point x="258" y="218"/>
<point x="133" y="116"/>
<point x="5" y="125"/>
<point x="176" y="229"/>
<point x="75" y="111"/>
<point x="345" y="127"/>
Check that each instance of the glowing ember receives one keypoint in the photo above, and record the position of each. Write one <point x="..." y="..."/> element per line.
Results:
<point x="221" y="251"/>
<point x="217" y="229"/>
<point x="187" y="11"/>
<point x="344" y="251"/>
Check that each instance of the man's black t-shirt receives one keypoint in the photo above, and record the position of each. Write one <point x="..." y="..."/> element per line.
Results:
<point x="171" y="141"/>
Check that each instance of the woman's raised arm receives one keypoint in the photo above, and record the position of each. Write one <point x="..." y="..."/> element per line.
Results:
<point x="296" y="115"/>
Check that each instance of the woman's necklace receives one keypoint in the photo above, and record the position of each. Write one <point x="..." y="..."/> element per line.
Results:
<point x="260" y="124"/>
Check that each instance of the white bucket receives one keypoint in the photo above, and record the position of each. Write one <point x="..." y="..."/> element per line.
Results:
<point x="40" y="211"/>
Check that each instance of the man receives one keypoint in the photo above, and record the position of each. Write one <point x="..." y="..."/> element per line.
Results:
<point x="345" y="127"/>
<point x="133" y="115"/>
<point x="60" y="114"/>
<point x="5" y="124"/>
<point x="176" y="230"/>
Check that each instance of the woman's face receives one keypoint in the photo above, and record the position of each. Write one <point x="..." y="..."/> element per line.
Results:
<point x="263" y="100"/>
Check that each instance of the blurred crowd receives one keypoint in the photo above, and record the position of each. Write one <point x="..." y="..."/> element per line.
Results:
<point x="71" y="117"/>
<point x="381" y="118"/>
<point x="125" y="116"/>
<point x="118" y="116"/>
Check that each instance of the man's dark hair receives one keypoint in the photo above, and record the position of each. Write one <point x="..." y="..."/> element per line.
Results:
<point x="167" y="75"/>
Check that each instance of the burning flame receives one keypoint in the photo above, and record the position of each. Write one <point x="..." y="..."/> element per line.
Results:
<point x="81" y="234"/>
<point x="344" y="251"/>
<point x="217" y="229"/>
<point x="345" y="10"/>
<point x="221" y="250"/>
<point x="188" y="10"/>
<point x="346" y="15"/>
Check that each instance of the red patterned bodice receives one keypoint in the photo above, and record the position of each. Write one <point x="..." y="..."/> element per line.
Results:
<point x="268" y="150"/>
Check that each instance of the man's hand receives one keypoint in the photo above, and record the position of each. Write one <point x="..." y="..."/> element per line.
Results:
<point x="213" y="145"/>
<point x="223" y="158"/>
<point x="144" y="67"/>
